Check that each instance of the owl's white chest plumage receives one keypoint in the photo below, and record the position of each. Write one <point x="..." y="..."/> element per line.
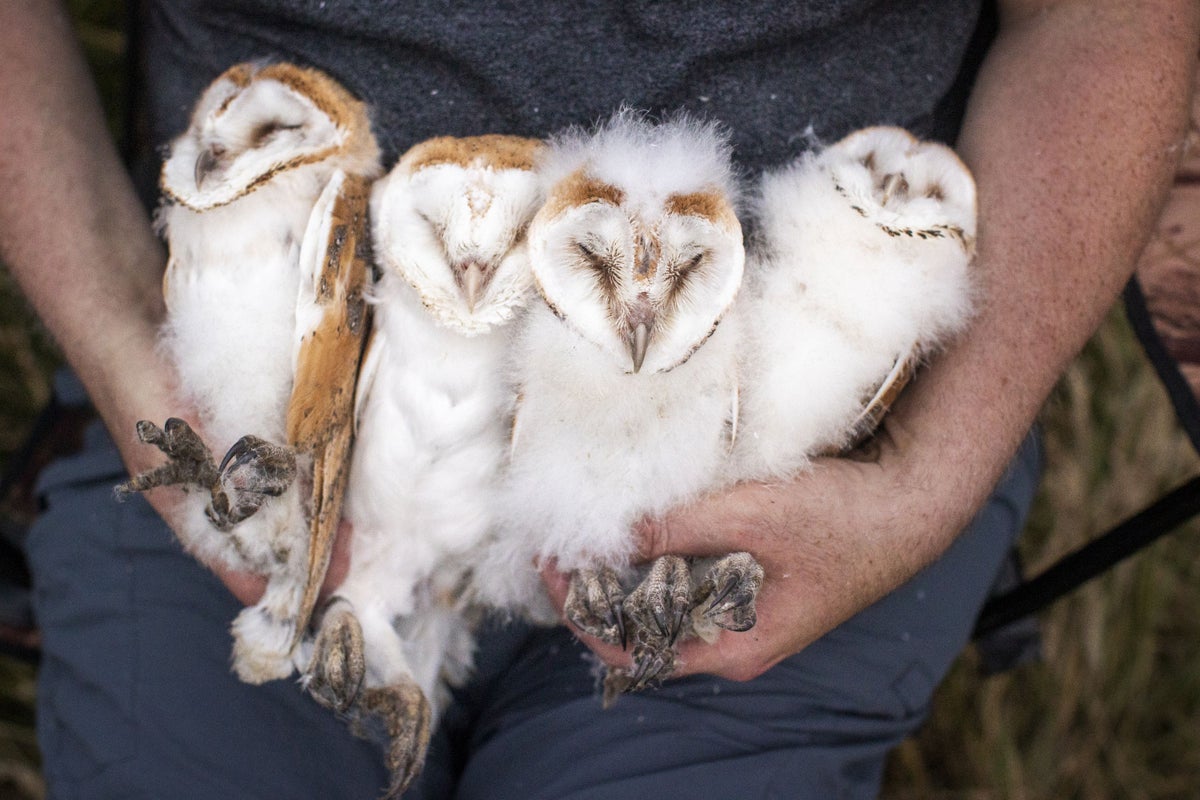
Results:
<point x="862" y="266"/>
<point x="231" y="292"/>
<point x="431" y="436"/>
<point x="596" y="448"/>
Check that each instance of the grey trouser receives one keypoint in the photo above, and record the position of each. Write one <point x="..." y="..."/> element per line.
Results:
<point x="136" y="699"/>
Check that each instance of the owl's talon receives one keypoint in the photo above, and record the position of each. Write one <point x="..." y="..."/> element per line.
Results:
<point x="252" y="470"/>
<point x="616" y="618"/>
<point x="659" y="603"/>
<point x="406" y="716"/>
<point x="727" y="586"/>
<point x="148" y="432"/>
<point x="335" y="675"/>
<point x="258" y="465"/>
<point x="596" y="604"/>
<point x="677" y="628"/>
<point x="189" y="461"/>
<point x="729" y="590"/>
<point x="651" y="665"/>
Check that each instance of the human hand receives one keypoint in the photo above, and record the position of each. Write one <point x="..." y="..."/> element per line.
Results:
<point x="831" y="542"/>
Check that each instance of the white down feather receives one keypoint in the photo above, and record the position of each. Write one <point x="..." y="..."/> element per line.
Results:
<point x="231" y="332"/>
<point x="832" y="299"/>
<point x="596" y="450"/>
<point x="431" y="439"/>
<point x="598" y="444"/>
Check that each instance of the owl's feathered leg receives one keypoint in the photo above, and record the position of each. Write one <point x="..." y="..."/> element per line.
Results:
<point x="190" y="464"/>
<point x="594" y="604"/>
<point x="264" y="634"/>
<point x="252" y="470"/>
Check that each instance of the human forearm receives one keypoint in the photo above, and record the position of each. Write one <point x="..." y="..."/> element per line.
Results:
<point x="71" y="228"/>
<point x="1073" y="131"/>
<point x="76" y="237"/>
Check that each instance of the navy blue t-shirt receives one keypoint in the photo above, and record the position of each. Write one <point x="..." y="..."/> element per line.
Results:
<point x="769" y="70"/>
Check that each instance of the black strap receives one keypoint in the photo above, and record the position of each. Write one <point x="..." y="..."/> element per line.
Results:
<point x="1140" y="530"/>
<point x="1098" y="555"/>
<point x="1187" y="409"/>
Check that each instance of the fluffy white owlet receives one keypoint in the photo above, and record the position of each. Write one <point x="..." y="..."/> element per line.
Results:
<point x="265" y="218"/>
<point x="626" y="378"/>
<point x="449" y="225"/>
<point x="861" y="268"/>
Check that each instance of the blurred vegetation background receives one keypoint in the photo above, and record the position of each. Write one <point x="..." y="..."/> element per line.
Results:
<point x="1111" y="712"/>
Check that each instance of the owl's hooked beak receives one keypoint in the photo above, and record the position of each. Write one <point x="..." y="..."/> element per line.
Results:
<point x="206" y="163"/>
<point x="641" y="323"/>
<point x="472" y="277"/>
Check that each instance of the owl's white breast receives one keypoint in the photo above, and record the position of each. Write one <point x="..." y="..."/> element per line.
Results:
<point x="598" y="448"/>
<point x="431" y="436"/>
<point x="231" y="292"/>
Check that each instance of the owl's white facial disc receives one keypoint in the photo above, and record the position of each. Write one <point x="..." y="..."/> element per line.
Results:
<point x="456" y="229"/>
<point x="246" y="129"/>
<point x="647" y="285"/>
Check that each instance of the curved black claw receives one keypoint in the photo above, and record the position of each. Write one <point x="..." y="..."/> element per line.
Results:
<point x="596" y="605"/>
<point x="729" y="590"/>
<point x="252" y="470"/>
<point x="406" y="715"/>
<point x="660" y="604"/>
<point x="651" y="665"/>
<point x="258" y="465"/>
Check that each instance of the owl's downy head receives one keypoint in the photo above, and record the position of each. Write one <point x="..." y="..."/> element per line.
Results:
<point x="638" y="247"/>
<point x="256" y="122"/>
<point x="451" y="218"/>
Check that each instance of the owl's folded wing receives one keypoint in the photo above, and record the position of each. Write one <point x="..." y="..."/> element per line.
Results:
<point x="332" y="326"/>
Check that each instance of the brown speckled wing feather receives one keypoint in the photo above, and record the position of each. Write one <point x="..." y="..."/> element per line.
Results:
<point x="320" y="420"/>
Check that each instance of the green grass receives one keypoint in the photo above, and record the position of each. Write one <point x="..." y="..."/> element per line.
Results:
<point x="1113" y="711"/>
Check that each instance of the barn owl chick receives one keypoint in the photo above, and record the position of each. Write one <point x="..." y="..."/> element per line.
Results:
<point x="449" y="225"/>
<point x="265" y="216"/>
<point x="626" y="380"/>
<point x="862" y="268"/>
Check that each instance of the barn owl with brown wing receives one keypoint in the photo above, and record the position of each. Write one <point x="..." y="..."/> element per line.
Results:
<point x="449" y="225"/>
<point x="626" y="374"/>
<point x="265" y="220"/>
<point x="859" y="269"/>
